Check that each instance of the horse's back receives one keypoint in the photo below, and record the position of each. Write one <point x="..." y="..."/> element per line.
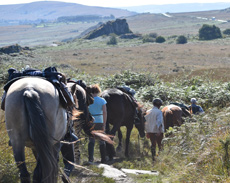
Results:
<point x="118" y="107"/>
<point x="172" y="116"/>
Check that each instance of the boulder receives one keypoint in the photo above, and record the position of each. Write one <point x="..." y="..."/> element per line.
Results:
<point x="13" y="49"/>
<point x="118" y="27"/>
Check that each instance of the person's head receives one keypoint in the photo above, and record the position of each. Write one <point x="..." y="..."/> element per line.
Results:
<point x="95" y="89"/>
<point x="157" y="102"/>
<point x="193" y="100"/>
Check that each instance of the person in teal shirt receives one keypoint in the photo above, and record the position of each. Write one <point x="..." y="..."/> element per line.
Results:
<point x="99" y="112"/>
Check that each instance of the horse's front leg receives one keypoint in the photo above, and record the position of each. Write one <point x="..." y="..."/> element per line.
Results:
<point x="109" y="147"/>
<point x="119" y="147"/>
<point x="128" y="132"/>
<point x="19" y="156"/>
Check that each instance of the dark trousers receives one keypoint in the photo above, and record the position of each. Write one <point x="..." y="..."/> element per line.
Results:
<point x="67" y="151"/>
<point x="98" y="126"/>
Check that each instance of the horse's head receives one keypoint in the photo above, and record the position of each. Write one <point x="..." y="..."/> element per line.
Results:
<point x="141" y="121"/>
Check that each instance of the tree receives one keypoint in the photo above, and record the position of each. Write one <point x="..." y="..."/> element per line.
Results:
<point x="209" y="32"/>
<point x="160" y="39"/>
<point x="181" y="40"/>
<point x="226" y="31"/>
<point x="112" y="40"/>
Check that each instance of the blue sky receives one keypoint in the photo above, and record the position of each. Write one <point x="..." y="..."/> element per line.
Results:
<point x="117" y="3"/>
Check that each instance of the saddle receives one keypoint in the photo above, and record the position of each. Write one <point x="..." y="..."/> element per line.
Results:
<point x="129" y="96"/>
<point x="50" y="75"/>
<point x="181" y="105"/>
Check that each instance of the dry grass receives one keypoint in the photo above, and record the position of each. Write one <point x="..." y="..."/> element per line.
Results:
<point x="159" y="59"/>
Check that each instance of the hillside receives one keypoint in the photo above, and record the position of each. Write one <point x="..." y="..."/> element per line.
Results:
<point x="175" y="8"/>
<point x="176" y="24"/>
<point x="51" y="10"/>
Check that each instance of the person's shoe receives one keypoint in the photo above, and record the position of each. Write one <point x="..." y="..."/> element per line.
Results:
<point x="90" y="163"/>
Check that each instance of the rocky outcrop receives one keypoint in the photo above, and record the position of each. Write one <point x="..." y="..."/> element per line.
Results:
<point x="130" y="36"/>
<point x="118" y="27"/>
<point x="13" y="49"/>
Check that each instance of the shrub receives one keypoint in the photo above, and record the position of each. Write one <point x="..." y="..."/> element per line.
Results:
<point x="148" y="39"/>
<point x="153" y="35"/>
<point x="135" y="80"/>
<point x="181" y="40"/>
<point x="160" y="39"/>
<point x="226" y="31"/>
<point x="209" y="32"/>
<point x="112" y="40"/>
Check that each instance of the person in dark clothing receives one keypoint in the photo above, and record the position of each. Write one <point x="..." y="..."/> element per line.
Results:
<point x="195" y="109"/>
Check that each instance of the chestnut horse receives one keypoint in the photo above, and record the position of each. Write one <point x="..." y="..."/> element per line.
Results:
<point x="173" y="114"/>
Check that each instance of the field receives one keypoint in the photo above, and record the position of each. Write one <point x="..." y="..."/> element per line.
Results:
<point x="195" y="152"/>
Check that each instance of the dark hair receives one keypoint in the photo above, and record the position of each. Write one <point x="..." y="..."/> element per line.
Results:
<point x="157" y="102"/>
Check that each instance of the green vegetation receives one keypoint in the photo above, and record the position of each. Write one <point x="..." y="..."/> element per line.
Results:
<point x="209" y="32"/>
<point x="181" y="40"/>
<point x="160" y="39"/>
<point x="226" y="31"/>
<point x="196" y="151"/>
<point x="148" y="39"/>
<point x="112" y="40"/>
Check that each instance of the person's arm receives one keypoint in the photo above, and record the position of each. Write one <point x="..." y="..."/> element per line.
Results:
<point x="104" y="109"/>
<point x="201" y="110"/>
<point x="159" y="121"/>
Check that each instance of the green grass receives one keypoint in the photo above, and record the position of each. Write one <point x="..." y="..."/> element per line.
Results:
<point x="192" y="153"/>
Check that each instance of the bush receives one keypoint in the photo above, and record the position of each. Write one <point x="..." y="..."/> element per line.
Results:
<point x="148" y="39"/>
<point x="153" y="35"/>
<point x="227" y="32"/>
<point x="160" y="39"/>
<point x="181" y="40"/>
<point x="209" y="32"/>
<point x="112" y="40"/>
<point x="135" y="80"/>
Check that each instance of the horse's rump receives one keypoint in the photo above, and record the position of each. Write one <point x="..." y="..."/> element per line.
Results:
<point x="35" y="118"/>
<point x="172" y="115"/>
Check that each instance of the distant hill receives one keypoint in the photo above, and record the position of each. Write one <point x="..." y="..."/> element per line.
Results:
<point x="51" y="10"/>
<point x="176" y="8"/>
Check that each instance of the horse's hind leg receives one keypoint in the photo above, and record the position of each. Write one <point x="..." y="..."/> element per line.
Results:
<point x="119" y="147"/>
<point x="127" y="142"/>
<point x="19" y="156"/>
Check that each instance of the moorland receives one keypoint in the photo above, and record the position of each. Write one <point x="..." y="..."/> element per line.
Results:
<point x="195" y="152"/>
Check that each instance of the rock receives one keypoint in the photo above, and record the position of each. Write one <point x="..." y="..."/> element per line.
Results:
<point x="13" y="49"/>
<point x="137" y="172"/>
<point x="130" y="36"/>
<point x="111" y="172"/>
<point x="118" y="27"/>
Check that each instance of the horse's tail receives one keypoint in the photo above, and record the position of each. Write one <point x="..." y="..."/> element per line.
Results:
<point x="47" y="167"/>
